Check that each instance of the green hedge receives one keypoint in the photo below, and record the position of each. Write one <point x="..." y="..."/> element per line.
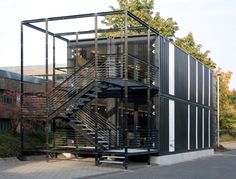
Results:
<point x="9" y="145"/>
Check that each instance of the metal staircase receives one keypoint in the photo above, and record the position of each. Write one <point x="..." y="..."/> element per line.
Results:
<point x="70" y="101"/>
<point x="83" y="121"/>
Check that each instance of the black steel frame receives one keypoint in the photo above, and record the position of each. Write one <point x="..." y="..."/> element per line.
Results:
<point x="62" y="36"/>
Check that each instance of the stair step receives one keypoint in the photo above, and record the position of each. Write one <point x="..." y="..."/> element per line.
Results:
<point x="103" y="86"/>
<point x="103" y="142"/>
<point x="75" y="109"/>
<point x="94" y="89"/>
<point x="80" y="104"/>
<point x="69" y="113"/>
<point x="90" y="95"/>
<point x="113" y="88"/>
<point x="87" y="129"/>
<point x="99" y="137"/>
<point x="113" y="157"/>
<point x="85" y="99"/>
<point x="91" y="133"/>
<point x="112" y="161"/>
<point x="81" y="125"/>
<point x="75" y="121"/>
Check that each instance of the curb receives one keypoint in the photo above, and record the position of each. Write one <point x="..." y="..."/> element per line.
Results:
<point x="9" y="159"/>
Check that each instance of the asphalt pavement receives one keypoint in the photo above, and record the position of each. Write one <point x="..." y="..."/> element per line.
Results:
<point x="220" y="166"/>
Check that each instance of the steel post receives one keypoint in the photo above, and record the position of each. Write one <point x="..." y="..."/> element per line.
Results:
<point x="46" y="86"/>
<point x="22" y="91"/>
<point x="96" y="90"/>
<point x="126" y="90"/>
<point x="148" y="93"/>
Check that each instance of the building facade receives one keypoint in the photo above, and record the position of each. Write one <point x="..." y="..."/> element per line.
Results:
<point x="128" y="91"/>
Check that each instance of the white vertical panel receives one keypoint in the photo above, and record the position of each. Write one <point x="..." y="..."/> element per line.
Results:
<point x="196" y="81"/>
<point x="203" y="131"/>
<point x="171" y="126"/>
<point x="171" y="69"/>
<point x="209" y="128"/>
<point x="188" y="77"/>
<point x="209" y="81"/>
<point x="188" y="127"/>
<point x="196" y="127"/>
<point x="203" y="79"/>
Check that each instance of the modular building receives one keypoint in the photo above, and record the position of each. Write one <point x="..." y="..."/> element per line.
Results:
<point x="128" y="91"/>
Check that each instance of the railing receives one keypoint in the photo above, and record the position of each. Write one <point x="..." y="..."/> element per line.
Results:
<point x="105" y="130"/>
<point x="112" y="66"/>
<point x="140" y="138"/>
<point x="138" y="69"/>
<point x="73" y="85"/>
<point x="109" y="66"/>
<point x="67" y="137"/>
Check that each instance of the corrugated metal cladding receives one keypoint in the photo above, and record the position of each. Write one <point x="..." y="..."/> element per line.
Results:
<point x="190" y="96"/>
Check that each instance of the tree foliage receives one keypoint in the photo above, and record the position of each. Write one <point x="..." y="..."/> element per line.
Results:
<point x="189" y="45"/>
<point x="144" y="10"/>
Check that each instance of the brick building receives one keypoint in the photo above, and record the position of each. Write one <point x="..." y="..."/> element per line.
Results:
<point x="10" y="96"/>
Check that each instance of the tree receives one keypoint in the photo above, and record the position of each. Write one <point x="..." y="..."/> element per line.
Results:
<point x="227" y="102"/>
<point x="144" y="10"/>
<point x="189" y="45"/>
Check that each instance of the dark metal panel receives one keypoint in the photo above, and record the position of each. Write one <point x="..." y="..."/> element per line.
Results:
<point x="199" y="127"/>
<point x="199" y="83"/>
<point x="164" y="125"/>
<point x="213" y="107"/>
<point x="164" y="65"/>
<point x="181" y="126"/>
<point x="213" y="127"/>
<point x="181" y="74"/>
<point x="206" y="128"/>
<point x="192" y="79"/>
<point x="206" y="85"/>
<point x="192" y="127"/>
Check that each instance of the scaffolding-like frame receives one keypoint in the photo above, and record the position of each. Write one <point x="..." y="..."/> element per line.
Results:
<point x="62" y="36"/>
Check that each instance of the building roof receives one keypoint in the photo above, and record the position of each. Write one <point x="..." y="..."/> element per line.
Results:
<point x="17" y="76"/>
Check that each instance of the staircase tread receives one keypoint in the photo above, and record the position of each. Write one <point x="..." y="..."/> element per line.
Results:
<point x="103" y="141"/>
<point x="87" y="129"/>
<point x="90" y="94"/>
<point x="111" y="161"/>
<point x="85" y="99"/>
<point x="114" y="156"/>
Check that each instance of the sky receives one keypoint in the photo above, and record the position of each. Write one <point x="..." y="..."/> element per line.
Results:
<point x="212" y="23"/>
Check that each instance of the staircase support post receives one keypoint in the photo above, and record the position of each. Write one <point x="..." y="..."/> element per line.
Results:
<point x="126" y="90"/>
<point x="148" y="94"/>
<point x="54" y="63"/>
<point x="96" y="90"/>
<point x="22" y="91"/>
<point x="46" y="87"/>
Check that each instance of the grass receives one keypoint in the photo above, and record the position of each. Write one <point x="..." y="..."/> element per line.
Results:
<point x="227" y="137"/>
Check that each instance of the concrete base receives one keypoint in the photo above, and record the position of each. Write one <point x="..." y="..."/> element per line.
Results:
<point x="181" y="157"/>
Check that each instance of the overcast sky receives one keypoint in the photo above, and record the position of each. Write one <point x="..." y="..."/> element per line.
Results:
<point x="212" y="23"/>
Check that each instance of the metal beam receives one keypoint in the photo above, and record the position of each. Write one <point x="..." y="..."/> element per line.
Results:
<point x="73" y="16"/>
<point x="44" y="31"/>
<point x="99" y="31"/>
<point x="142" y="23"/>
